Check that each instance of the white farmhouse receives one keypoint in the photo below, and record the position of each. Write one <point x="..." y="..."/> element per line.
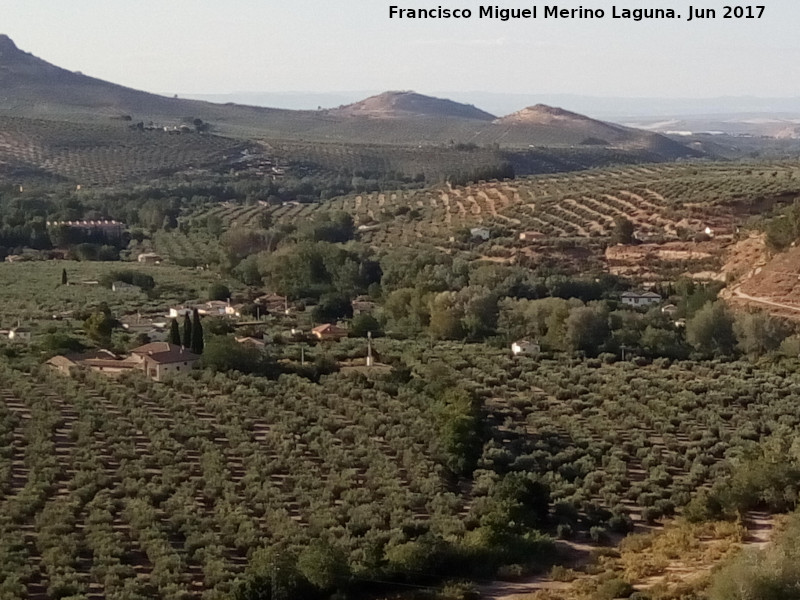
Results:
<point x="121" y="287"/>
<point x="480" y="232"/>
<point x="637" y="299"/>
<point x="525" y="347"/>
<point x="20" y="334"/>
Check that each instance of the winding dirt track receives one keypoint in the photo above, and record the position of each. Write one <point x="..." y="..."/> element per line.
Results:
<point x="738" y="293"/>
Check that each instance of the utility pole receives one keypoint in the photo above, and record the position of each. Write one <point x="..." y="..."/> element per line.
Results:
<point x="369" y="348"/>
<point x="302" y="355"/>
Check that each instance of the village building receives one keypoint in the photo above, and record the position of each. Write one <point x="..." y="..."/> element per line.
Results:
<point x="329" y="331"/>
<point x="219" y="308"/>
<point x="638" y="299"/>
<point x="531" y="236"/>
<point x="109" y="228"/>
<point x="669" y="309"/>
<point x="253" y="342"/>
<point x="213" y="308"/>
<point x="111" y="366"/>
<point x="273" y="303"/>
<point x="363" y="305"/>
<point x="62" y="364"/>
<point x="482" y="233"/>
<point x="159" y="359"/>
<point x="103" y="361"/>
<point x="180" y="311"/>
<point x="20" y="334"/>
<point x="121" y="287"/>
<point x="525" y="347"/>
<point x="149" y="258"/>
<point x="155" y="332"/>
<point x="156" y="360"/>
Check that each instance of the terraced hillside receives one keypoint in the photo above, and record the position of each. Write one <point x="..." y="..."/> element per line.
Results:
<point x="665" y="202"/>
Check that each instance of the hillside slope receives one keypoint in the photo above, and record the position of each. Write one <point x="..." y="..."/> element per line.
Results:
<point x="34" y="88"/>
<point x="410" y="104"/>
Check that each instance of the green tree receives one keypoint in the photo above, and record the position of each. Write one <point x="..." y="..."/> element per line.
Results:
<point x="457" y="414"/>
<point x="710" y="330"/>
<point x="174" y="333"/>
<point x="218" y="291"/>
<point x="332" y="307"/>
<point x="623" y="231"/>
<point x="517" y="503"/>
<point x="759" y="333"/>
<point x="222" y="353"/>
<point x="214" y="225"/>
<point x="187" y="331"/>
<point x="60" y="342"/>
<point x="63" y="277"/>
<point x="586" y="329"/>
<point x="197" y="333"/>
<point x="480" y="312"/>
<point x="99" y="326"/>
<point x="446" y="317"/>
<point x="323" y="566"/>
<point x="364" y="323"/>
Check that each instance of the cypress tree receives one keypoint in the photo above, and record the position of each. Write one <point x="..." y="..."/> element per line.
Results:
<point x="187" y="331"/>
<point x="63" y="277"/>
<point x="197" y="333"/>
<point x="175" y="333"/>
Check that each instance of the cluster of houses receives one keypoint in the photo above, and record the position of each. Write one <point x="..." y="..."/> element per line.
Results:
<point x="159" y="359"/>
<point x="110" y="228"/>
<point x="632" y="299"/>
<point x="156" y="360"/>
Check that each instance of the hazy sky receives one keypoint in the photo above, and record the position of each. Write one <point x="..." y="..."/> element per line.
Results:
<point x="215" y="46"/>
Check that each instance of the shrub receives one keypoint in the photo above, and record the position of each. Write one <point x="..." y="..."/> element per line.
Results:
<point x="599" y="535"/>
<point x="614" y="588"/>
<point x="218" y="291"/>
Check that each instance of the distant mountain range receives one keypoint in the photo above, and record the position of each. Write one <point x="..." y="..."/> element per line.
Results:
<point x="34" y="88"/>
<point x="620" y="109"/>
<point x="735" y="115"/>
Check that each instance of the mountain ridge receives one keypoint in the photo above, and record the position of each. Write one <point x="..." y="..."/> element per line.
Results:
<point x="34" y="88"/>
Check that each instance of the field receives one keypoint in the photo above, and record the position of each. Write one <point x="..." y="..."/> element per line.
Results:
<point x="33" y="290"/>
<point x="664" y="202"/>
<point x="95" y="154"/>
<point x="127" y="489"/>
<point x="130" y="489"/>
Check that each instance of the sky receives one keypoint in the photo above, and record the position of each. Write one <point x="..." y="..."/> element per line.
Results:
<point x="214" y="47"/>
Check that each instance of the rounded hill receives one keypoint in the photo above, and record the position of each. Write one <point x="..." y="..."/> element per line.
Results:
<point x="411" y="104"/>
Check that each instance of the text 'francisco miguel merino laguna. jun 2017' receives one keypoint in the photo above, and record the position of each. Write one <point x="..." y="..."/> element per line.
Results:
<point x="500" y="13"/>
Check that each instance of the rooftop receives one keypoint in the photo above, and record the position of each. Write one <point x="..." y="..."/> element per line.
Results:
<point x="165" y="353"/>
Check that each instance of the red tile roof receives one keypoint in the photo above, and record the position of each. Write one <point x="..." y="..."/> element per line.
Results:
<point x="165" y="353"/>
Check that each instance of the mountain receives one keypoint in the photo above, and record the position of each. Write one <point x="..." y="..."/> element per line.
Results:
<point x="32" y="88"/>
<point x="391" y="105"/>
<point x="542" y="114"/>
<point x="549" y="121"/>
